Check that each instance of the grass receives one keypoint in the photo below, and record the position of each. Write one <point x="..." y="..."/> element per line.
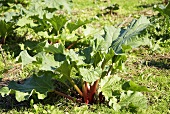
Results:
<point x="152" y="70"/>
<point x="127" y="10"/>
<point x="144" y="66"/>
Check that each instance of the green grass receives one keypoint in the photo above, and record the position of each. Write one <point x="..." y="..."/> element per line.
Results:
<point x="144" y="66"/>
<point x="127" y="10"/>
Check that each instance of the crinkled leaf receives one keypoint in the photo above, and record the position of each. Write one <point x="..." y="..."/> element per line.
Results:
<point x="9" y="16"/>
<point x="133" y="100"/>
<point x="55" y="48"/>
<point x="74" y="25"/>
<point x="107" y="84"/>
<point x="130" y="85"/>
<point x="75" y="57"/>
<point x="127" y="36"/>
<point x="25" y="58"/>
<point x="58" y="22"/>
<point x="111" y="34"/>
<point x="25" y="21"/>
<point x="48" y="62"/>
<point x="36" y="8"/>
<point x="90" y="75"/>
<point x="35" y="84"/>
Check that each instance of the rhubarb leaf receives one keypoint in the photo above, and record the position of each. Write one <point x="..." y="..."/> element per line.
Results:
<point x="127" y="36"/>
<point x="106" y="86"/>
<point x="74" y="25"/>
<point x="90" y="75"/>
<point x="25" y="58"/>
<point x="48" y="62"/>
<point x="130" y="85"/>
<point x="39" y="85"/>
<point x="133" y="100"/>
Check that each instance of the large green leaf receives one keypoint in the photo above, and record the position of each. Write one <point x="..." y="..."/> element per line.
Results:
<point x="36" y="8"/>
<point x="126" y="37"/>
<point x="39" y="85"/>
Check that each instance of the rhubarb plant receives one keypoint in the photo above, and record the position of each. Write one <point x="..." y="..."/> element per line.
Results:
<point x="90" y="69"/>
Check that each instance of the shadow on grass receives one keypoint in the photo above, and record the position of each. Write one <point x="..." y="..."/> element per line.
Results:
<point x="163" y="63"/>
<point x="148" y="5"/>
<point x="9" y="102"/>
